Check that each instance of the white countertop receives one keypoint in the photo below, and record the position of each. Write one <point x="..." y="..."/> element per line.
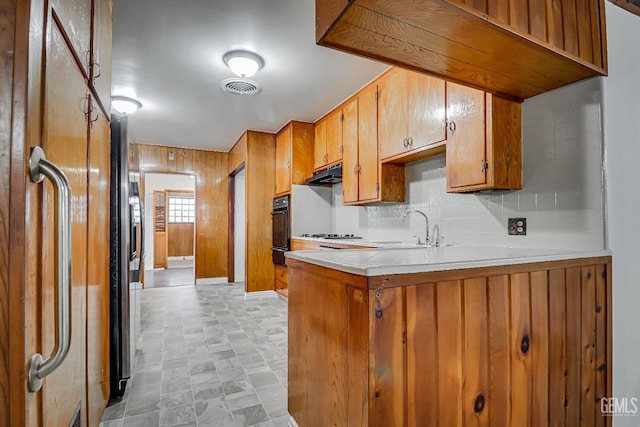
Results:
<point x="378" y="262"/>
<point x="359" y="242"/>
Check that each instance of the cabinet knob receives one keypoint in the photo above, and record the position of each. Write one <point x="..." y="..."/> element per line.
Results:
<point x="452" y="127"/>
<point x="410" y="141"/>
<point x="405" y="142"/>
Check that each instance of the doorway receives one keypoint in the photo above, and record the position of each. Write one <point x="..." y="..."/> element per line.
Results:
<point x="239" y="231"/>
<point x="170" y="219"/>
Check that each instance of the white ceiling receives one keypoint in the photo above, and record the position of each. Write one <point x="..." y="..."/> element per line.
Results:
<point x="168" y="54"/>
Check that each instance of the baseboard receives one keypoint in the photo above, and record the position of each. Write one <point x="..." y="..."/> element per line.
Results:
<point x="292" y="422"/>
<point x="260" y="294"/>
<point x="180" y="258"/>
<point x="212" y="280"/>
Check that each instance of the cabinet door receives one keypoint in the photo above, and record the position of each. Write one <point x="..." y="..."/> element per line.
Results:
<point x="350" y="155"/>
<point x="466" y="148"/>
<point x="101" y="43"/>
<point x="98" y="271"/>
<point x="283" y="161"/>
<point x="65" y="144"/>
<point x="75" y="17"/>
<point x="334" y="136"/>
<point x="320" y="144"/>
<point x="368" y="178"/>
<point x="392" y="120"/>
<point x="426" y="97"/>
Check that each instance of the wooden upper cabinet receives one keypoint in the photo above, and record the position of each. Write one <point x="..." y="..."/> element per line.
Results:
<point x="320" y="144"/>
<point x="484" y="141"/>
<point x="364" y="179"/>
<point x="283" y="161"/>
<point x="328" y="142"/>
<point x="100" y="77"/>
<point x="294" y="155"/>
<point x="412" y="112"/>
<point x="75" y="18"/>
<point x="514" y="48"/>
<point x="350" y="174"/>
<point x="392" y="121"/>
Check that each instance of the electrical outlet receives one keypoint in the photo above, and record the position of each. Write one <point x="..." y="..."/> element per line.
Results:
<point x="517" y="226"/>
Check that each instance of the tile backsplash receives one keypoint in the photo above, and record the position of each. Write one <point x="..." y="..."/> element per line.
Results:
<point x="562" y="196"/>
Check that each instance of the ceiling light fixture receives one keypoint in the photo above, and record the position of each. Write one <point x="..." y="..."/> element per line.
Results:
<point x="243" y="63"/>
<point x="125" y="105"/>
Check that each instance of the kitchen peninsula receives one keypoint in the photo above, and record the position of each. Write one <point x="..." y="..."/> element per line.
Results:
<point x="449" y="336"/>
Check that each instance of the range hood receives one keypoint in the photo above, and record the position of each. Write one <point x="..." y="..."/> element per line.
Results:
<point x="330" y="175"/>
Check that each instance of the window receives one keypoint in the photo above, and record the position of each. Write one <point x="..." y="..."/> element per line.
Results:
<point x="182" y="209"/>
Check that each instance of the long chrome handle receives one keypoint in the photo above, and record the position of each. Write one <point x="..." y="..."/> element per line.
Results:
<point x="40" y="167"/>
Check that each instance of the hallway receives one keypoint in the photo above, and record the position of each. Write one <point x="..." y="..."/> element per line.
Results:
<point x="207" y="357"/>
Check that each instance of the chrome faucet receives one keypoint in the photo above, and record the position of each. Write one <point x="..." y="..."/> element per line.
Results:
<point x="426" y="219"/>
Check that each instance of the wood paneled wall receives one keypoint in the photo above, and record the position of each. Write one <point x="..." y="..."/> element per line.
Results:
<point x="570" y="25"/>
<point x="211" y="170"/>
<point x="180" y="239"/>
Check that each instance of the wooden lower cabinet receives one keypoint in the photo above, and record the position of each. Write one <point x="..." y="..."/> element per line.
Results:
<point x="525" y="345"/>
<point x="281" y="280"/>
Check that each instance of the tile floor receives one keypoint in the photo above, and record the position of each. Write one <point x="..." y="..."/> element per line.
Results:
<point x="169" y="277"/>
<point x="207" y="357"/>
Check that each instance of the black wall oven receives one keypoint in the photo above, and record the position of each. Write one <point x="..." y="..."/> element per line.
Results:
<point x="281" y="229"/>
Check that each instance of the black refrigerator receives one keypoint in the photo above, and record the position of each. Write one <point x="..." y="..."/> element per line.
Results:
<point x="120" y="252"/>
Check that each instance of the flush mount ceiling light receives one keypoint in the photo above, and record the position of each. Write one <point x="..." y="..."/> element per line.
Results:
<point x="243" y="63"/>
<point x="125" y="105"/>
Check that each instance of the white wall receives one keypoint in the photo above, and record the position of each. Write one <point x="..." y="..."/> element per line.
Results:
<point x="158" y="182"/>
<point x="622" y="145"/>
<point x="240" y="228"/>
<point x="562" y="196"/>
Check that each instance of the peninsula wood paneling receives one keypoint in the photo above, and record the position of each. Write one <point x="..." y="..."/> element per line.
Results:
<point x="517" y="50"/>
<point x="522" y="348"/>
<point x="180" y="239"/>
<point x="211" y="170"/>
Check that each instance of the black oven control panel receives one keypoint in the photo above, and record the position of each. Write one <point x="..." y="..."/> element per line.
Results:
<point x="280" y="203"/>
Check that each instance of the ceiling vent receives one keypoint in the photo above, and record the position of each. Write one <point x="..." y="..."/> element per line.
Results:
<point x="239" y="86"/>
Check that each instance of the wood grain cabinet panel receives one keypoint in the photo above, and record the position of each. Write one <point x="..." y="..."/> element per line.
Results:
<point x="283" y="161"/>
<point x="257" y="151"/>
<point x="514" y="48"/>
<point x="328" y="140"/>
<point x="523" y="345"/>
<point x="294" y="155"/>
<point x="281" y="280"/>
<point x="484" y="141"/>
<point x="65" y="144"/>
<point x="364" y="179"/>
<point x="74" y="18"/>
<point x="48" y="100"/>
<point x="98" y="271"/>
<point x="100" y="77"/>
<point x="411" y="112"/>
